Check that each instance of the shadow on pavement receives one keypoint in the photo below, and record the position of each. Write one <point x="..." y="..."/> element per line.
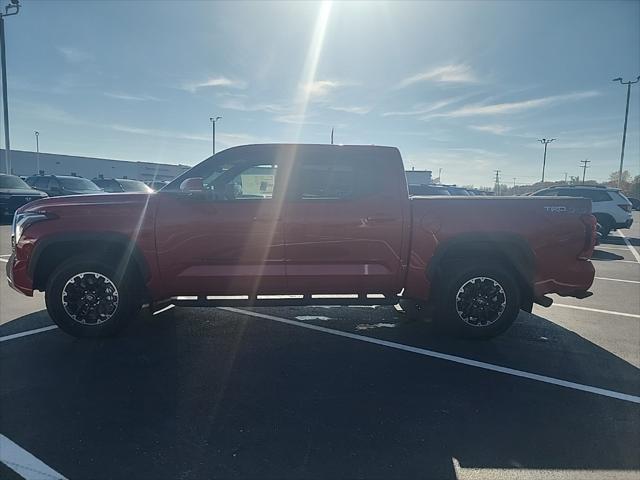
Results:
<point x="198" y="393"/>
<point x="603" y="255"/>
<point x="27" y="322"/>
<point x="620" y="241"/>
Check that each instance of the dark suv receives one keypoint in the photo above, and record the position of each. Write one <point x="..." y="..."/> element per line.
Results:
<point x="57" y="185"/>
<point x="14" y="193"/>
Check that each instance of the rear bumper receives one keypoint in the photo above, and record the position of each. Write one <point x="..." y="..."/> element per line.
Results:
<point x="18" y="277"/>
<point x="574" y="281"/>
<point x="626" y="224"/>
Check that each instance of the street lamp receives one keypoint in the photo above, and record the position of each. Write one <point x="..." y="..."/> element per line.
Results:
<point x="545" y="142"/>
<point x="12" y="9"/>
<point x="626" y="116"/>
<point x="37" y="134"/>
<point x="213" y="121"/>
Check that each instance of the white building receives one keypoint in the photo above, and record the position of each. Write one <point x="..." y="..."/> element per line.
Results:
<point x="418" y="177"/>
<point x="27" y="163"/>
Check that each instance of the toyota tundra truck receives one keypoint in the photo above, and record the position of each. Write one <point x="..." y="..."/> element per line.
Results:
<point x="293" y="224"/>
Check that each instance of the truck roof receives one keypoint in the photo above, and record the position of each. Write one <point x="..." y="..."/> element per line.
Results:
<point x="310" y="148"/>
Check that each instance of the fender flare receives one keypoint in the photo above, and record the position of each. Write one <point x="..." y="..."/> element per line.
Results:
<point x="119" y="239"/>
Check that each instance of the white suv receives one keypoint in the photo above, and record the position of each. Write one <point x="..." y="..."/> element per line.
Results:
<point x="609" y="205"/>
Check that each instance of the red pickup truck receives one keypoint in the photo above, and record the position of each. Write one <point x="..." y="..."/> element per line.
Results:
<point x="300" y="225"/>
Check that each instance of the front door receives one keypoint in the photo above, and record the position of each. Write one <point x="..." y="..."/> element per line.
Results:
<point x="227" y="240"/>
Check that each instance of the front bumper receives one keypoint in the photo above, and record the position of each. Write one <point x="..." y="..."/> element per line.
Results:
<point x="18" y="276"/>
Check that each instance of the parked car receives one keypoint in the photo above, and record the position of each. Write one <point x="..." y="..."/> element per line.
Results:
<point x="635" y="203"/>
<point x="610" y="207"/>
<point x="120" y="185"/>
<point x="157" y="184"/>
<point x="57" y="185"/>
<point x="300" y="225"/>
<point x="427" y="190"/>
<point x="14" y="193"/>
<point x="454" y="190"/>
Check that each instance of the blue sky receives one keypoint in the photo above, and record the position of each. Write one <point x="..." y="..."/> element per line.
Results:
<point x="466" y="87"/>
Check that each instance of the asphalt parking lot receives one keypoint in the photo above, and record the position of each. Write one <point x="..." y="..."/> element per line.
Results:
<point x="328" y="392"/>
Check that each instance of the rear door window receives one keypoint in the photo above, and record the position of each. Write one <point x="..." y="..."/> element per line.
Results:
<point x="323" y="180"/>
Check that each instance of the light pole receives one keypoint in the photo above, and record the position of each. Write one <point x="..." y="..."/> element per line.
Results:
<point x="545" y="142"/>
<point x="37" y="134"/>
<point x="626" y="116"/>
<point x="213" y="121"/>
<point x="12" y="9"/>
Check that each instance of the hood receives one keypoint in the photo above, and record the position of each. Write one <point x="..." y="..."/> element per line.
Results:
<point x="52" y="204"/>
<point x="22" y="191"/>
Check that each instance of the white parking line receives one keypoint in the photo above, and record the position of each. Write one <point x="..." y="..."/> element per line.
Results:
<point x="597" y="310"/>
<point x="5" y="260"/>
<point x="616" y="280"/>
<point x="636" y="255"/>
<point x="444" y="356"/>
<point x="615" y="261"/>
<point x="25" y="464"/>
<point x="27" y="333"/>
<point x="610" y="247"/>
<point x="519" y="473"/>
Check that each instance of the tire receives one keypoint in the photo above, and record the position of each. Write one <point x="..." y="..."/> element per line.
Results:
<point x="606" y="225"/>
<point x="86" y="298"/>
<point x="479" y="301"/>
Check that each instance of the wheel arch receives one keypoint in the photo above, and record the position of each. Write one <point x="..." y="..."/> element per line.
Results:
<point x="511" y="250"/>
<point x="50" y="251"/>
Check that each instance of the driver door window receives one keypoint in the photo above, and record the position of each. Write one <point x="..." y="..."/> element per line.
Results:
<point x="242" y="182"/>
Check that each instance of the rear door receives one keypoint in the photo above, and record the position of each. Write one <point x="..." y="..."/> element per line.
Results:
<point x="344" y="224"/>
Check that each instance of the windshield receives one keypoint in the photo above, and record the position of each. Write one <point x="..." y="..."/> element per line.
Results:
<point x="9" y="181"/>
<point x="78" y="184"/>
<point x="134" y="186"/>
<point x="457" y="191"/>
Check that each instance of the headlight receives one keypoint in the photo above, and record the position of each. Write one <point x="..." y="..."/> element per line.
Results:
<point x="21" y="221"/>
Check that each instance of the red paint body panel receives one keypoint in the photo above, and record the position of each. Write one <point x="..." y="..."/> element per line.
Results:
<point x="378" y="242"/>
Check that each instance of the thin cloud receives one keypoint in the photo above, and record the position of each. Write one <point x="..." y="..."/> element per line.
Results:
<point x="218" y="81"/>
<point x="295" y="119"/>
<point x="321" y="88"/>
<point x="359" y="110"/>
<point x="240" y="104"/>
<point x="74" y="55"/>
<point x="227" y="139"/>
<point x="422" y="108"/>
<point x="130" y="97"/>
<point x="511" y="107"/>
<point x="495" y="129"/>
<point x="454" y="73"/>
<point x="159" y="133"/>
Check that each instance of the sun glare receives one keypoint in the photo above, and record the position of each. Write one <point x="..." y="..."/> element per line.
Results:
<point x="311" y="63"/>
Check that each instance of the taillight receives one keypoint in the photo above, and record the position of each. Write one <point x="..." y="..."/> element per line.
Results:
<point x="590" y="236"/>
<point x="626" y="207"/>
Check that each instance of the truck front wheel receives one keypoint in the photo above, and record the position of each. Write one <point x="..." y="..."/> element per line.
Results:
<point x="479" y="301"/>
<point x="88" y="298"/>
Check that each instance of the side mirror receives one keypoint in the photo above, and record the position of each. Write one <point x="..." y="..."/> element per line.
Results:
<point x="192" y="185"/>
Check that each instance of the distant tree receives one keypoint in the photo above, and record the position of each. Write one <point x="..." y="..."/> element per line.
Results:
<point x="635" y="187"/>
<point x="626" y="177"/>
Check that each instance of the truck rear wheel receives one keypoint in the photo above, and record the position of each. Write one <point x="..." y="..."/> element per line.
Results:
<point x="87" y="298"/>
<point x="479" y="301"/>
